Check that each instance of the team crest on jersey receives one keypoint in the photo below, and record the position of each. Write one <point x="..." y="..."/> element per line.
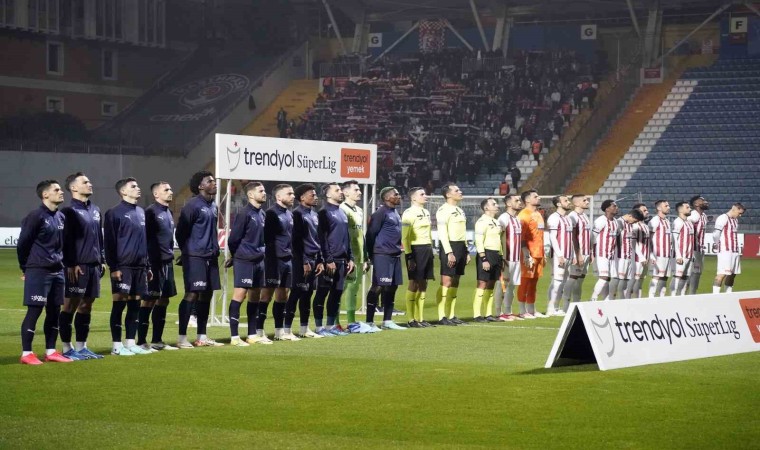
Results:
<point x="96" y="216"/>
<point x="209" y="90"/>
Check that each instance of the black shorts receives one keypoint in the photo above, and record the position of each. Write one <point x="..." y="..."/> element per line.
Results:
<point x="494" y="258"/>
<point x="200" y="274"/>
<point x="42" y="286"/>
<point x="279" y="273"/>
<point x="162" y="285"/>
<point x="88" y="283"/>
<point x="337" y="281"/>
<point x="300" y="281"/>
<point x="248" y="274"/>
<point x="387" y="270"/>
<point x="134" y="282"/>
<point x="460" y="253"/>
<point x="422" y="255"/>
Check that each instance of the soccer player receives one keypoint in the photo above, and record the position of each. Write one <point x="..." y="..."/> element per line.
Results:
<point x="278" y="264"/>
<point x="159" y="229"/>
<point x="490" y="256"/>
<point x="416" y="237"/>
<point x="126" y="250"/>
<point x="352" y="195"/>
<point x="623" y="266"/>
<point x="582" y="247"/>
<point x="384" y="250"/>
<point x="335" y="247"/>
<point x="726" y="245"/>
<point x="606" y="230"/>
<point x="642" y="250"/>
<point x="246" y="244"/>
<point x="512" y="229"/>
<point x="699" y="219"/>
<point x="40" y="257"/>
<point x="563" y="253"/>
<point x="452" y="250"/>
<point x="683" y="237"/>
<point x="84" y="260"/>
<point x="198" y="241"/>
<point x="532" y="234"/>
<point x="662" y="249"/>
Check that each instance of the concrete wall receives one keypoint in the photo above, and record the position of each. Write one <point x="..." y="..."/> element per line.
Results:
<point x="21" y="171"/>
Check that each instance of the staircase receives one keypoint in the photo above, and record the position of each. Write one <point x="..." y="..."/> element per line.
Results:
<point x="295" y="99"/>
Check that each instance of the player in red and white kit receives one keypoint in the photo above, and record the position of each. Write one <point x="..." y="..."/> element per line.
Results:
<point x="641" y="252"/>
<point x="605" y="240"/>
<point x="563" y="254"/>
<point x="512" y="249"/>
<point x="683" y="240"/>
<point x="726" y="244"/>
<point x="697" y="217"/>
<point x="662" y="249"/>
<point x="624" y="265"/>
<point x="582" y="248"/>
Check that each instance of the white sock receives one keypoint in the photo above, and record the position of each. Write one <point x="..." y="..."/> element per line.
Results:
<point x="729" y="289"/>
<point x="80" y="346"/>
<point x="26" y="354"/>
<point x="319" y="329"/>
<point x="182" y="338"/>
<point x="599" y="288"/>
<point x="510" y="298"/>
<point x="554" y="293"/>
<point x="130" y="343"/>
<point x="202" y="337"/>
<point x="612" y="289"/>
<point x="66" y="346"/>
<point x="278" y="332"/>
<point x="578" y="289"/>
<point x="387" y="322"/>
<point x="522" y="307"/>
<point x="681" y="286"/>
<point x="260" y="333"/>
<point x="304" y="329"/>
<point x="50" y="351"/>
<point x="116" y="346"/>
<point x="694" y="283"/>
<point x="567" y="292"/>
<point x="531" y="307"/>
<point x="661" y="287"/>
<point x="653" y="288"/>
<point x="232" y="338"/>
<point x="716" y="289"/>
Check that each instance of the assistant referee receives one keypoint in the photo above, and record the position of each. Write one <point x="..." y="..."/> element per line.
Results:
<point x="416" y="238"/>
<point x="452" y="249"/>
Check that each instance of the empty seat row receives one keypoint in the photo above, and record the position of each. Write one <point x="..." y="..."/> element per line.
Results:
<point x="708" y="133"/>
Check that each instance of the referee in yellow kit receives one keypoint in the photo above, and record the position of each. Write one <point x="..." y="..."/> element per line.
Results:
<point x="452" y="249"/>
<point x="490" y="256"/>
<point x="416" y="237"/>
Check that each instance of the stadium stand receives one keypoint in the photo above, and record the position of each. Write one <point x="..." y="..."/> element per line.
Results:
<point x="703" y="140"/>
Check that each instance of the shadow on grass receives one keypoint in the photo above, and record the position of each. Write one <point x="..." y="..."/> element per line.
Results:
<point x="563" y="369"/>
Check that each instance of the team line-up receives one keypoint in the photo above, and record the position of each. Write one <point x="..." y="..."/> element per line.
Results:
<point x="286" y="255"/>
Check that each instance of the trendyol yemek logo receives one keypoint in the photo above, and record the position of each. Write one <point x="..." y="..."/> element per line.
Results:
<point x="751" y="310"/>
<point x="355" y="163"/>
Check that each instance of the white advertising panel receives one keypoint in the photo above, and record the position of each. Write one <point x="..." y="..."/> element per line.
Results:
<point x="9" y="237"/>
<point x="263" y="158"/>
<point x="627" y="333"/>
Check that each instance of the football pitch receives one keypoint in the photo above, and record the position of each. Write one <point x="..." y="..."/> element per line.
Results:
<point x="475" y="386"/>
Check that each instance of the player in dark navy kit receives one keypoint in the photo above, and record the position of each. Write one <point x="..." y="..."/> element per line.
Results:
<point x="307" y="264"/>
<point x="84" y="259"/>
<point x="246" y="244"/>
<point x="40" y="257"/>
<point x="336" y="251"/>
<point x="384" y="251"/>
<point x="159" y="230"/>
<point x="196" y="236"/>
<point x="126" y="250"/>
<point x="278" y="234"/>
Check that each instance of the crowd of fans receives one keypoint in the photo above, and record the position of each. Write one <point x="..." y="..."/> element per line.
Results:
<point x="434" y="121"/>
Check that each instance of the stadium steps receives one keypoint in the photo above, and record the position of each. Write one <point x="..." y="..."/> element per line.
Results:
<point x="295" y="99"/>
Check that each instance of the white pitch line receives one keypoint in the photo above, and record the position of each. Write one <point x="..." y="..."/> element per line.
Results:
<point x="512" y="327"/>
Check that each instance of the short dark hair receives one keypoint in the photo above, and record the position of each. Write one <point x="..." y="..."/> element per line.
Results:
<point x="385" y="191"/>
<point x="326" y="187"/>
<point x="484" y="202"/>
<point x="278" y="187"/>
<point x="349" y="183"/>
<point x="694" y="199"/>
<point x="659" y="202"/>
<point x="446" y="188"/>
<point x="251" y="186"/>
<point x="556" y="198"/>
<point x="43" y="186"/>
<point x="155" y="185"/>
<point x="637" y="214"/>
<point x="508" y="196"/>
<point x="606" y="204"/>
<point x="526" y="194"/>
<point x="637" y="206"/>
<point x="123" y="182"/>
<point x="300" y="190"/>
<point x="680" y="204"/>
<point x="414" y="190"/>
<point x="739" y="206"/>
<point x="574" y="196"/>
<point x="71" y="179"/>
<point x="196" y="179"/>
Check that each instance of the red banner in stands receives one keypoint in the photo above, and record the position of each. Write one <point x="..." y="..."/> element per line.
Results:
<point x="751" y="246"/>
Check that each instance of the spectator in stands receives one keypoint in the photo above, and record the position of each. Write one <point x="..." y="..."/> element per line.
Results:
<point x="535" y="148"/>
<point x="282" y="122"/>
<point x="516" y="175"/>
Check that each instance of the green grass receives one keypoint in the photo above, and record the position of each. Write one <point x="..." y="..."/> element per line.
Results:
<point x="474" y="387"/>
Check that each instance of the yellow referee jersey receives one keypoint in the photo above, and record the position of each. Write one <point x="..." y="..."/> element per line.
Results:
<point x="487" y="234"/>
<point x="415" y="228"/>
<point x="452" y="225"/>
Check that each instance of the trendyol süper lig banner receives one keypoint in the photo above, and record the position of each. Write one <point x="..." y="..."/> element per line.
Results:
<point x="264" y="158"/>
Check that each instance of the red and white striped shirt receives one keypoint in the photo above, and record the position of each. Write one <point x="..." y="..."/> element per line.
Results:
<point x="700" y="223"/>
<point x="512" y="231"/>
<point x="605" y="233"/>
<point x="641" y="234"/>
<point x="729" y="238"/>
<point x="561" y="233"/>
<point x="582" y="224"/>
<point x="625" y="241"/>
<point x="683" y="233"/>
<point x="662" y="241"/>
